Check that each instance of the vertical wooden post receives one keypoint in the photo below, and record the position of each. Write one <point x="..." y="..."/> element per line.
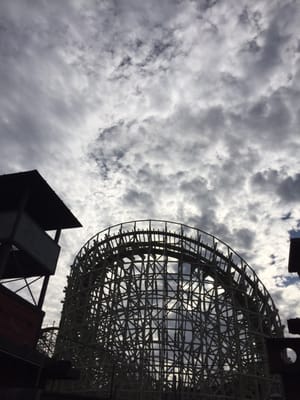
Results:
<point x="47" y="277"/>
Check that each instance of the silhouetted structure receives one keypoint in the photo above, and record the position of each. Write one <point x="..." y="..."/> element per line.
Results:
<point x="28" y="208"/>
<point x="279" y="350"/>
<point x="159" y="310"/>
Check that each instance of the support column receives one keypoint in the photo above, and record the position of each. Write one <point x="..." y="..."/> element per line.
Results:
<point x="47" y="277"/>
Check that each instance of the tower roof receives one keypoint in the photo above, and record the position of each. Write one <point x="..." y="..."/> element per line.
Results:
<point x="43" y="206"/>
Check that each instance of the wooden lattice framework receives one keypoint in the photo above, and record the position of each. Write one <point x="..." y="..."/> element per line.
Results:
<point x="160" y="310"/>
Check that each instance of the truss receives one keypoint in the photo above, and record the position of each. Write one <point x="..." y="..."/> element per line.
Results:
<point x="47" y="340"/>
<point x="27" y="288"/>
<point x="159" y="310"/>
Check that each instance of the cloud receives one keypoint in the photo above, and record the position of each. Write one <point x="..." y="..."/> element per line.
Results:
<point x="287" y="188"/>
<point x="181" y="110"/>
<point x="142" y="201"/>
<point x="246" y="238"/>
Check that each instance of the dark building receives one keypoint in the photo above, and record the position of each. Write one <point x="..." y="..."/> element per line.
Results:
<point x="29" y="208"/>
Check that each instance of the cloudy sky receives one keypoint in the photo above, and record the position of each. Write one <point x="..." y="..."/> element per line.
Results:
<point x="172" y="109"/>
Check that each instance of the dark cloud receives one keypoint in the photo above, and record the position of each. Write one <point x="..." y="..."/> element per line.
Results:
<point x="273" y="259"/>
<point x="209" y="223"/>
<point x="269" y="43"/>
<point x="269" y="54"/>
<point x="267" y="120"/>
<point x="289" y="188"/>
<point x="286" y="216"/>
<point x="142" y="201"/>
<point x="245" y="238"/>
<point x="251" y="17"/>
<point x="285" y="281"/>
<point x="266" y="179"/>
<point x="272" y="181"/>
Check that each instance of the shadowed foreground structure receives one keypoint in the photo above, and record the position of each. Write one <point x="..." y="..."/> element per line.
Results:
<point x="29" y="209"/>
<point x="159" y="310"/>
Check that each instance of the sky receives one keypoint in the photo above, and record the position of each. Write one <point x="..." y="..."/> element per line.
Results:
<point x="177" y="110"/>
